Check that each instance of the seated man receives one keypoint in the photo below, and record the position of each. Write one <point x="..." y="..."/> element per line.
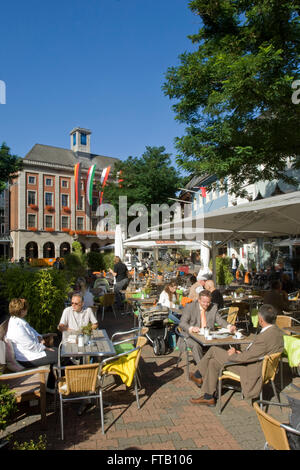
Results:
<point x="277" y="297"/>
<point x="200" y="314"/>
<point x="268" y="341"/>
<point x="75" y="317"/>
<point x="216" y="296"/>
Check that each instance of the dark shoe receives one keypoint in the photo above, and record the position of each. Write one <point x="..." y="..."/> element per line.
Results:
<point x="203" y="401"/>
<point x="197" y="380"/>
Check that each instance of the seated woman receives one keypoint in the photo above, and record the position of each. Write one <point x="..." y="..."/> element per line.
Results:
<point x="167" y="297"/>
<point x="29" y="346"/>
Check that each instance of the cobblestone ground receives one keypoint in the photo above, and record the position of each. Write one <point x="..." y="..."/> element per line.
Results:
<point x="166" y="420"/>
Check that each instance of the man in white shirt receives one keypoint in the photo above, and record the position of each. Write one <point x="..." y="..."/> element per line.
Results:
<point x="75" y="317"/>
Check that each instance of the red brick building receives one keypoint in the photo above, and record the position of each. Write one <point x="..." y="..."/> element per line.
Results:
<point x="44" y="217"/>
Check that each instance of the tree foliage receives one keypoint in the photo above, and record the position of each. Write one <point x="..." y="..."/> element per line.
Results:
<point x="9" y="166"/>
<point x="150" y="179"/>
<point x="235" y="91"/>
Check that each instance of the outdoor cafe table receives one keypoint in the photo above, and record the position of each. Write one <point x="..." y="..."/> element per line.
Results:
<point x="100" y="345"/>
<point x="227" y="340"/>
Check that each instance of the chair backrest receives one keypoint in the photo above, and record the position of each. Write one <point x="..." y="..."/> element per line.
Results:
<point x="141" y="342"/>
<point x="270" y="366"/>
<point x="82" y="378"/>
<point x="283" y="321"/>
<point x="107" y="300"/>
<point x="275" y="435"/>
<point x="232" y="315"/>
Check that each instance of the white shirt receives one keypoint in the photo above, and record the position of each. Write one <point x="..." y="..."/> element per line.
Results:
<point x="165" y="301"/>
<point x="76" y="320"/>
<point x="24" y="339"/>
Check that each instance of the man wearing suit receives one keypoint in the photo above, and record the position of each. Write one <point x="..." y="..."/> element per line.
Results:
<point x="199" y="314"/>
<point x="268" y="341"/>
<point x="234" y="265"/>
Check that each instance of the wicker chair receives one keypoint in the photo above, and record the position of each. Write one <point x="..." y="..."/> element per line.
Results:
<point x="269" y="369"/>
<point x="79" y="383"/>
<point x="284" y="321"/>
<point x="107" y="300"/>
<point x="275" y="432"/>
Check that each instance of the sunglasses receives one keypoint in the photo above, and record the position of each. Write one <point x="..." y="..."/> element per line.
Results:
<point x="75" y="303"/>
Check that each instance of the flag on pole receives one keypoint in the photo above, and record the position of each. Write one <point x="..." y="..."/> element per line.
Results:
<point x="104" y="176"/>
<point x="103" y="179"/>
<point x="89" y="185"/>
<point x="77" y="177"/>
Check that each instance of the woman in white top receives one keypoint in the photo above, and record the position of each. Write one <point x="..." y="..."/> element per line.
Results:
<point x="167" y="297"/>
<point x="29" y="346"/>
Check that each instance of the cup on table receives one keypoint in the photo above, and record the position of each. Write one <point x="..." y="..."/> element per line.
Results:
<point x="238" y="335"/>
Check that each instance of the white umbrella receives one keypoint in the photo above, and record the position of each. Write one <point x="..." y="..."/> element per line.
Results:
<point x="118" y="242"/>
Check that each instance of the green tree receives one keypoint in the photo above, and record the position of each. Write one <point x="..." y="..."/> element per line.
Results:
<point x="150" y="179"/>
<point x="9" y="166"/>
<point x="234" y="91"/>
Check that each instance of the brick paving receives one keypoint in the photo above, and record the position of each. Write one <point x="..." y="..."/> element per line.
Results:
<point x="166" y="420"/>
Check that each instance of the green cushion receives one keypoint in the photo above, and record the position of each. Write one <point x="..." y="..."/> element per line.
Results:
<point x="123" y="347"/>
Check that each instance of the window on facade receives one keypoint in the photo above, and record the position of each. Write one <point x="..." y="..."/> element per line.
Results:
<point x="65" y="200"/>
<point x="48" y="199"/>
<point x="94" y="223"/>
<point x="80" y="206"/>
<point x="31" y="179"/>
<point x="64" y="183"/>
<point x="31" y="197"/>
<point x="94" y="204"/>
<point x="64" y="222"/>
<point x="79" y="223"/>
<point x="48" y="221"/>
<point x="31" y="220"/>
<point x="48" y="181"/>
<point x="74" y="139"/>
<point x="83" y="139"/>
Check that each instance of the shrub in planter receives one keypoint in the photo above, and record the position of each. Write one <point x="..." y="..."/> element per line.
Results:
<point x="224" y="276"/>
<point x="108" y="260"/>
<point x="46" y="291"/>
<point x="8" y="406"/>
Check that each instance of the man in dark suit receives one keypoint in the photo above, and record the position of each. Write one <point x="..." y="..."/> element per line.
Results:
<point x="268" y="341"/>
<point x="199" y="314"/>
<point x="234" y="265"/>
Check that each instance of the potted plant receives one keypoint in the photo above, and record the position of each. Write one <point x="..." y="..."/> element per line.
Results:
<point x="87" y="332"/>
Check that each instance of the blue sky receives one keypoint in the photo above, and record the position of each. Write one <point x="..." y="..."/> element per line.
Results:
<point x="98" y="64"/>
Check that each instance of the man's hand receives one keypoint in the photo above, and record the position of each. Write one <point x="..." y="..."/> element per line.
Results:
<point x="232" y="328"/>
<point x="232" y="351"/>
<point x="194" y="329"/>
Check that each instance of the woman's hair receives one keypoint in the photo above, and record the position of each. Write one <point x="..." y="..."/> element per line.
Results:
<point x="17" y="306"/>
<point x="167" y="289"/>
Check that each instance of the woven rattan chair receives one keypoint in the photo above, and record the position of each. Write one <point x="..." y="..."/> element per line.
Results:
<point x="79" y="383"/>
<point x="284" y="321"/>
<point x="112" y="365"/>
<point x="275" y="432"/>
<point x="229" y="313"/>
<point x="269" y="369"/>
<point x="107" y="300"/>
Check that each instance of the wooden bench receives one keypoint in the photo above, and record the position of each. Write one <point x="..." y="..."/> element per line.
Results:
<point x="27" y="384"/>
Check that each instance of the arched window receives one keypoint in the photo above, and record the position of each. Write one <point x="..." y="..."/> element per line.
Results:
<point x="64" y="249"/>
<point x="31" y="250"/>
<point x="48" y="250"/>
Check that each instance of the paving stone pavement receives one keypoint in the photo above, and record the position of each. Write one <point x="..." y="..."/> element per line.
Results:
<point x="166" y="420"/>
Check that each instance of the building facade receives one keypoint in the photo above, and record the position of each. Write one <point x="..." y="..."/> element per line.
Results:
<point x="44" y="216"/>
